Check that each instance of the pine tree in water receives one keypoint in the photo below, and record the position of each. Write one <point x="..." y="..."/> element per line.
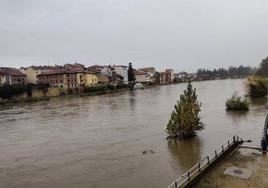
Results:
<point x="185" y="119"/>
<point x="131" y="76"/>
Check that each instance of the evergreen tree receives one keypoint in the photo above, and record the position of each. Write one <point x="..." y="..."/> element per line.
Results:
<point x="263" y="70"/>
<point x="185" y="119"/>
<point x="131" y="76"/>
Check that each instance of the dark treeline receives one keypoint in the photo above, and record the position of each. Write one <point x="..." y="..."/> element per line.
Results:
<point x="263" y="69"/>
<point x="231" y="71"/>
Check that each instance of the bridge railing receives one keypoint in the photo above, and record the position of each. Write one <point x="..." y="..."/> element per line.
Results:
<point x="201" y="165"/>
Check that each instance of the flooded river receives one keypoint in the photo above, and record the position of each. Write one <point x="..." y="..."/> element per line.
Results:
<point x="115" y="140"/>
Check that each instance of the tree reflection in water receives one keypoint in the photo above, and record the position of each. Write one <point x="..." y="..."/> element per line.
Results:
<point x="258" y="102"/>
<point x="237" y="115"/>
<point x="186" y="153"/>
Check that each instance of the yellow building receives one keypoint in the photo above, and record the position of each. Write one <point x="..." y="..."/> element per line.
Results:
<point x="64" y="78"/>
<point x="86" y="78"/>
<point x="32" y="72"/>
<point x="1" y="79"/>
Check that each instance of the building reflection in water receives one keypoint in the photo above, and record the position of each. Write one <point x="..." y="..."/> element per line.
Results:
<point x="185" y="153"/>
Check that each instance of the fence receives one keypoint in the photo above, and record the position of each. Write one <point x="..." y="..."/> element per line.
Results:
<point x="204" y="163"/>
<point x="265" y="135"/>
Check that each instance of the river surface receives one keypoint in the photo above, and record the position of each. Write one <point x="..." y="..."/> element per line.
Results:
<point x="116" y="140"/>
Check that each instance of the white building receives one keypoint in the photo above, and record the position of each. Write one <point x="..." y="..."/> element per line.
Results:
<point x="122" y="71"/>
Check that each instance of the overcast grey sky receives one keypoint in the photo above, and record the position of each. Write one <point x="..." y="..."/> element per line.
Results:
<point x="179" y="34"/>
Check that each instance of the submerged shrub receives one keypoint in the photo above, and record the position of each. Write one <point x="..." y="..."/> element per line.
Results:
<point x="236" y="103"/>
<point x="257" y="86"/>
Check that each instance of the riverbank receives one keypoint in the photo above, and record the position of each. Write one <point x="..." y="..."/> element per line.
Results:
<point x="250" y="161"/>
<point x="89" y="93"/>
<point x="38" y="99"/>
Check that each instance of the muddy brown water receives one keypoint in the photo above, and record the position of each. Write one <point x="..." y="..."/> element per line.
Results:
<point x="115" y="140"/>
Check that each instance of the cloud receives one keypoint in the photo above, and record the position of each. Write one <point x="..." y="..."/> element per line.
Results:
<point x="179" y="34"/>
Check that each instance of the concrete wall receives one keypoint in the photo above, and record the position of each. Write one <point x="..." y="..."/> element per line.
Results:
<point x="52" y="92"/>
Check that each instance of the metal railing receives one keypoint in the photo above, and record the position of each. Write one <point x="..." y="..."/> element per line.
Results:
<point x="205" y="162"/>
<point x="264" y="134"/>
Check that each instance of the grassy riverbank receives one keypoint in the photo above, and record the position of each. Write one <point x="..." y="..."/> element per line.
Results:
<point x="24" y="100"/>
<point x="38" y="99"/>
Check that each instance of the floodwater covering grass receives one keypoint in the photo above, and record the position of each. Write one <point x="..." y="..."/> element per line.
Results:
<point x="236" y="103"/>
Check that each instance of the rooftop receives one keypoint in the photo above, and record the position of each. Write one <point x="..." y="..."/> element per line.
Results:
<point x="148" y="69"/>
<point x="67" y="70"/>
<point x="10" y="71"/>
<point x="139" y="72"/>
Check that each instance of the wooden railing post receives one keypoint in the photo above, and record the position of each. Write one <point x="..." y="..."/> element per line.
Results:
<point x="208" y="159"/>
<point x="189" y="175"/>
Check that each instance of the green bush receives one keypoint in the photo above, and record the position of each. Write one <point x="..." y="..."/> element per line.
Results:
<point x="121" y="86"/>
<point x="103" y="88"/>
<point x="8" y="91"/>
<point x="98" y="88"/>
<point x="237" y="104"/>
<point x="257" y="86"/>
<point x="111" y="87"/>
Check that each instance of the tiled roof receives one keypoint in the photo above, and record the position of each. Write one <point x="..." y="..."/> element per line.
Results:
<point x="10" y="71"/>
<point x="92" y="70"/>
<point x="42" y="67"/>
<point x="66" y="70"/>
<point x="58" y="71"/>
<point x="139" y="72"/>
<point x="96" y="67"/>
<point x="148" y="69"/>
<point x="119" y="66"/>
